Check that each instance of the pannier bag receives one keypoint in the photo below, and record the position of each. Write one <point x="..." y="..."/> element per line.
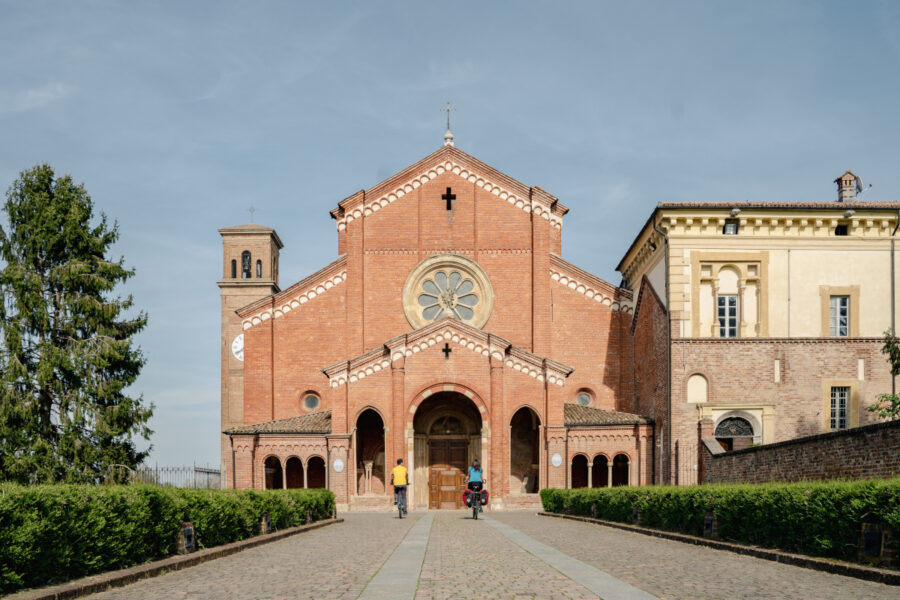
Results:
<point x="467" y="498"/>
<point x="484" y="497"/>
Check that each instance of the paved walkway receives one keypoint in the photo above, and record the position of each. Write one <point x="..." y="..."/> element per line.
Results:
<point x="443" y="555"/>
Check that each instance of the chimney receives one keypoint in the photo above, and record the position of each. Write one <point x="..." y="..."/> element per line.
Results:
<point x="848" y="186"/>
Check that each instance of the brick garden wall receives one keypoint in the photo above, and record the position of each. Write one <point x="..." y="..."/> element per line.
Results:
<point x="860" y="453"/>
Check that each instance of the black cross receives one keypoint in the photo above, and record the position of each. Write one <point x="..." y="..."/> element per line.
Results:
<point x="449" y="198"/>
<point x="446" y="350"/>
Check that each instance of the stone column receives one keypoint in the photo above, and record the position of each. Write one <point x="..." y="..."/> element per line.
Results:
<point x="367" y="465"/>
<point x="305" y="471"/>
<point x="609" y="472"/>
<point x="283" y="466"/>
<point x="590" y="474"/>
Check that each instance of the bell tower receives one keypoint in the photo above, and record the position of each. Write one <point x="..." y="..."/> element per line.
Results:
<point x="249" y="272"/>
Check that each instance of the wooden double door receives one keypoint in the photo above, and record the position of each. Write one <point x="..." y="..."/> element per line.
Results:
<point x="446" y="472"/>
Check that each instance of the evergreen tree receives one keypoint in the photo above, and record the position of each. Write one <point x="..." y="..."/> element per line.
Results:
<point x="66" y="349"/>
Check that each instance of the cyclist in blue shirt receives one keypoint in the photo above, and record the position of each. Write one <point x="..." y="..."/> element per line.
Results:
<point x="475" y="479"/>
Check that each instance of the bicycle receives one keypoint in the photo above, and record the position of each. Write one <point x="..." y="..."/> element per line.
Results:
<point x="475" y="494"/>
<point x="400" y="493"/>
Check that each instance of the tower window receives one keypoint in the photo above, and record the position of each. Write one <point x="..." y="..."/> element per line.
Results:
<point x="245" y="264"/>
<point x="731" y="227"/>
<point x="233" y="269"/>
<point x="259" y="269"/>
<point x="840" y="230"/>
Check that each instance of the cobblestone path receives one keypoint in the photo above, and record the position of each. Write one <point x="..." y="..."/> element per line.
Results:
<point x="506" y="556"/>
<point x="670" y="570"/>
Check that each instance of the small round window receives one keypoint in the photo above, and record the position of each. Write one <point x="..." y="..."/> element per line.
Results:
<point x="584" y="399"/>
<point x="311" y="402"/>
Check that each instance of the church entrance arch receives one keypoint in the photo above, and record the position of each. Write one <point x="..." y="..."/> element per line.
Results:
<point x="524" y="451"/>
<point x="447" y="430"/>
<point x="370" y="454"/>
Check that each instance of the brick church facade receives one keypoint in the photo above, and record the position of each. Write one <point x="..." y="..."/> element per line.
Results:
<point x="449" y="328"/>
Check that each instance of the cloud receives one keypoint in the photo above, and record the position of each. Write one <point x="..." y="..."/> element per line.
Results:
<point x="24" y="100"/>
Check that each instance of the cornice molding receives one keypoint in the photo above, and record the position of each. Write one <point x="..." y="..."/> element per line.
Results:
<point x="540" y="203"/>
<point x="453" y="332"/>
<point x="295" y="296"/>
<point x="589" y="285"/>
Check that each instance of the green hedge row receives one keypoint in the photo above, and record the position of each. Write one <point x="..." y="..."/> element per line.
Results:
<point x="812" y="518"/>
<point x="53" y="533"/>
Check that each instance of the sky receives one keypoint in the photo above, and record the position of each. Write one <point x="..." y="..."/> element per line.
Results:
<point x="179" y="116"/>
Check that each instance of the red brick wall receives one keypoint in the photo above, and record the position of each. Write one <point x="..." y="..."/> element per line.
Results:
<point x="860" y="453"/>
<point x="649" y="373"/>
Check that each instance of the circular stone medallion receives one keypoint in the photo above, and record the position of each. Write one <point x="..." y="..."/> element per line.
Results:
<point x="556" y="460"/>
<point x="338" y="465"/>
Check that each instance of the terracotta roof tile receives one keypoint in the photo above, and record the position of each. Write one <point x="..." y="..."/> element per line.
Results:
<point x="317" y="422"/>
<point x="585" y="416"/>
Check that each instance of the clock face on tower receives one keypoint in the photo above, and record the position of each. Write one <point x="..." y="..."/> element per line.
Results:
<point x="237" y="347"/>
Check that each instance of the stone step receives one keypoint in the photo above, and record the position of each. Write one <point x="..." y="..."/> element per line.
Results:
<point x="523" y="502"/>
<point x="371" y="503"/>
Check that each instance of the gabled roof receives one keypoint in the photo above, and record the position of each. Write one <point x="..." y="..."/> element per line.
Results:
<point x="586" y="416"/>
<point x="449" y="331"/>
<point x="317" y="422"/>
<point x="295" y="296"/>
<point x="449" y="159"/>
<point x="590" y="285"/>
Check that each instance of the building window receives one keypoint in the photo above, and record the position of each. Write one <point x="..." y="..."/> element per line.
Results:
<point x="840" y="230"/>
<point x="840" y="399"/>
<point x="311" y="402"/>
<point x="727" y="316"/>
<point x="731" y="227"/>
<point x="840" y="316"/>
<point x="584" y="399"/>
<point x="245" y="264"/>
<point x="233" y="269"/>
<point x="259" y="269"/>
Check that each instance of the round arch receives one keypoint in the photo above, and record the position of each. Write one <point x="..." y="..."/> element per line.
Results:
<point x="434" y="388"/>
<point x="524" y="450"/>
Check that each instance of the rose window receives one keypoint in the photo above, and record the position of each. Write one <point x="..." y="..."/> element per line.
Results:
<point x="448" y="295"/>
<point x="447" y="286"/>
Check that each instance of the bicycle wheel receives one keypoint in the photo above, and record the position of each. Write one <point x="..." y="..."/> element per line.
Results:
<point x="400" y="505"/>
<point x="474" y="508"/>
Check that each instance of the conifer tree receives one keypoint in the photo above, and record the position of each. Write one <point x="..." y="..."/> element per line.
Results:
<point x="67" y="354"/>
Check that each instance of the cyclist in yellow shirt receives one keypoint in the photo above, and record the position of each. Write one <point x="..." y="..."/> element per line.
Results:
<point x="400" y="479"/>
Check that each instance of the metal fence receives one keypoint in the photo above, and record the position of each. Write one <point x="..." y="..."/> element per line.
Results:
<point x="181" y="477"/>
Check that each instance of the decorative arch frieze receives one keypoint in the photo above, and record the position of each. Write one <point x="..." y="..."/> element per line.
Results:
<point x="449" y="166"/>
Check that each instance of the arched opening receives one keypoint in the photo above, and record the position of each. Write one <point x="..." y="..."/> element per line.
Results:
<point x="315" y="472"/>
<point x="369" y="453"/>
<point x="600" y="471"/>
<point x="273" y="473"/>
<point x="620" y="470"/>
<point x="245" y="264"/>
<point x="579" y="471"/>
<point x="734" y="433"/>
<point x="233" y="269"/>
<point x="524" y="451"/>
<point x="447" y="428"/>
<point x="293" y="473"/>
<point x="259" y="269"/>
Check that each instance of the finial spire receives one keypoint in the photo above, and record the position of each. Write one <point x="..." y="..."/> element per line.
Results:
<point x="251" y="210"/>
<point x="448" y="137"/>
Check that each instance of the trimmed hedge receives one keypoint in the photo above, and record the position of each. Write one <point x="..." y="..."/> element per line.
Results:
<point x="813" y="518"/>
<point x="53" y="533"/>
